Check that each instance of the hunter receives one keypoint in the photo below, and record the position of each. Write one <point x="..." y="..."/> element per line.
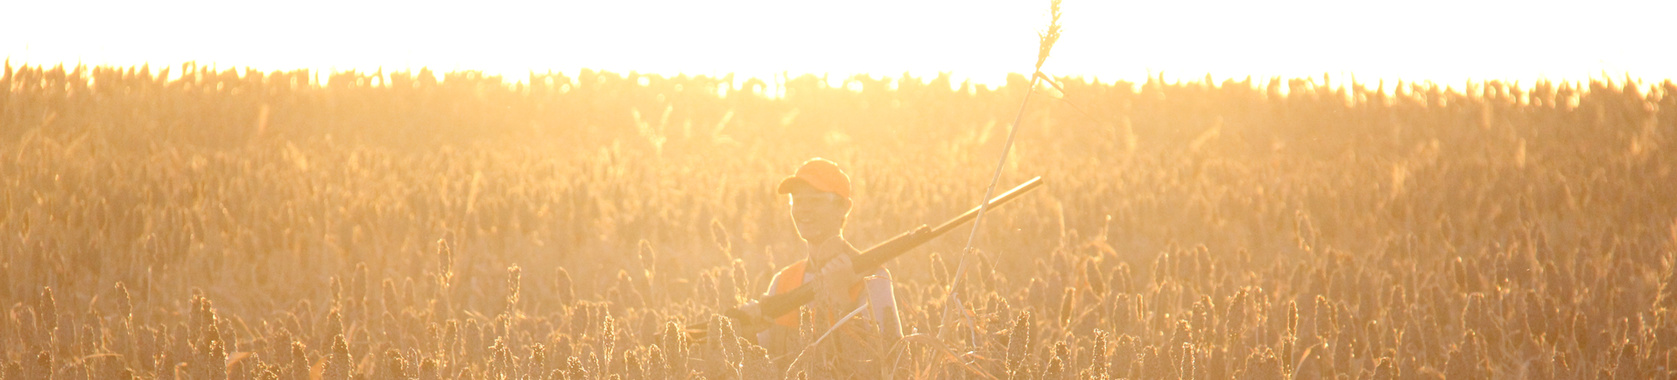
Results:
<point x="820" y="201"/>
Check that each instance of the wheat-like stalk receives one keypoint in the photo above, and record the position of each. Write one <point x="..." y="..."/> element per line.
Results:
<point x="1047" y="38"/>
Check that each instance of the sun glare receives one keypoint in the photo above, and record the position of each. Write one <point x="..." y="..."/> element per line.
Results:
<point x="980" y="42"/>
<point x="1438" y="189"/>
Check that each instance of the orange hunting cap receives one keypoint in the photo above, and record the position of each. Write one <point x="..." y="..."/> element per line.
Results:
<point x="820" y="174"/>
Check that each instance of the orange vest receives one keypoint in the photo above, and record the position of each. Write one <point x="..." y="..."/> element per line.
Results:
<point x="793" y="276"/>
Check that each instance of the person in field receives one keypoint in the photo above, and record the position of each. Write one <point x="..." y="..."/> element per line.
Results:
<point x="820" y="200"/>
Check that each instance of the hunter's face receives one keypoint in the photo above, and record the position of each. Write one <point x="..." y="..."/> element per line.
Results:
<point x="817" y="214"/>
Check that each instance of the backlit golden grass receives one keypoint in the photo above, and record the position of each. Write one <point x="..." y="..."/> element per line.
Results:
<point x="387" y="225"/>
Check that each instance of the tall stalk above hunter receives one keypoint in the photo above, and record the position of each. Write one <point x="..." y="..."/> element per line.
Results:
<point x="1045" y="44"/>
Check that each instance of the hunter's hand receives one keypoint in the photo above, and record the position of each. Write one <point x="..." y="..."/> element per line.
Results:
<point x="754" y="312"/>
<point x="833" y="289"/>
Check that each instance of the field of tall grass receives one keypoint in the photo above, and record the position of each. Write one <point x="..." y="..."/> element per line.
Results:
<point x="187" y="222"/>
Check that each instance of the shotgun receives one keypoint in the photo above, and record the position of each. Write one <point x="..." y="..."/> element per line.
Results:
<point x="869" y="260"/>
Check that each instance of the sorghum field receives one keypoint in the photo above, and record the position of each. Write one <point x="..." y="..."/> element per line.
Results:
<point x="190" y="222"/>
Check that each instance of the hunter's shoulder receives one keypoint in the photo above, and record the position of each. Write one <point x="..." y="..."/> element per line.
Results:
<point x="795" y="266"/>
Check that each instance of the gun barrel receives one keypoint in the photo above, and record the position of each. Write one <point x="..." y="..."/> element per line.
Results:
<point x="876" y="256"/>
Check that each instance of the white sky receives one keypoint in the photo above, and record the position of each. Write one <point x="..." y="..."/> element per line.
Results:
<point x="1443" y="41"/>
